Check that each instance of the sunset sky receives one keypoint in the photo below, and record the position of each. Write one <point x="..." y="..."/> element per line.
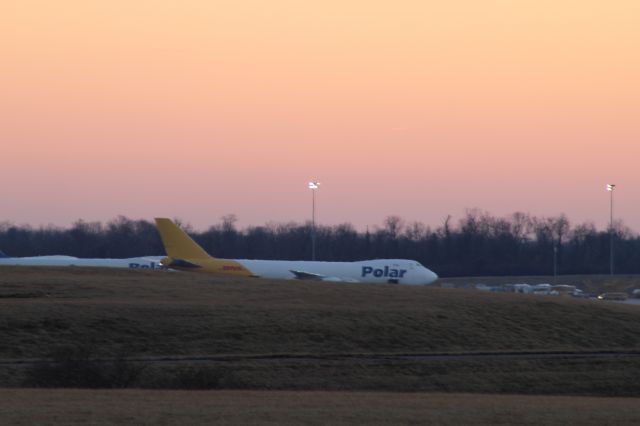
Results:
<point x="422" y="109"/>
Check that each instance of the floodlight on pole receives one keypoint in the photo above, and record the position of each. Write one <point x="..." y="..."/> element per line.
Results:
<point x="610" y="188"/>
<point x="313" y="186"/>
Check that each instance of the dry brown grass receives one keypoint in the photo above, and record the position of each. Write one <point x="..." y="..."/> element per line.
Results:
<point x="148" y="313"/>
<point x="71" y="407"/>
<point x="156" y="313"/>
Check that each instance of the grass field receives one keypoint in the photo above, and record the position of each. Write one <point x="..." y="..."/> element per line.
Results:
<point x="74" y="315"/>
<point x="100" y="407"/>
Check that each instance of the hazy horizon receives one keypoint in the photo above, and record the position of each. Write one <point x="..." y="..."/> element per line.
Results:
<point x="454" y="222"/>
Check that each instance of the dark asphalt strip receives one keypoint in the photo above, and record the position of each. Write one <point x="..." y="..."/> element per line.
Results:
<point x="366" y="358"/>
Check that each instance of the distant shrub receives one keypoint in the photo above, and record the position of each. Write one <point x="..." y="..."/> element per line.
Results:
<point x="193" y="377"/>
<point x="74" y="366"/>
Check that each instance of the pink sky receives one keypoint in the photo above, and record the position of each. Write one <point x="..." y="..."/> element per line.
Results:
<point x="198" y="109"/>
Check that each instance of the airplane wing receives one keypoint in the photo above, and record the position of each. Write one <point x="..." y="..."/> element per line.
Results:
<point x="302" y="275"/>
<point x="310" y="276"/>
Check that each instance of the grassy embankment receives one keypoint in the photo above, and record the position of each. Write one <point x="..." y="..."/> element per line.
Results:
<point x="76" y="315"/>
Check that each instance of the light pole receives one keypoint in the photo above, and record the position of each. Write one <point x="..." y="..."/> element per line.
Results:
<point x="313" y="186"/>
<point x="610" y="188"/>
<point x="555" y="262"/>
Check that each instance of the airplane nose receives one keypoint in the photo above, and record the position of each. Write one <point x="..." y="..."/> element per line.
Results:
<point x="430" y="276"/>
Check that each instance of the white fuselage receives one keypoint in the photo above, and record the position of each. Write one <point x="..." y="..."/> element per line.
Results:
<point x="146" y="262"/>
<point x="396" y="271"/>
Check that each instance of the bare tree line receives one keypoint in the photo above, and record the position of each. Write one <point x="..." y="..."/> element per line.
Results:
<point x="477" y="244"/>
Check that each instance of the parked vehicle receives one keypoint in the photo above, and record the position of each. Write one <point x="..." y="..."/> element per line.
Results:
<point x="613" y="296"/>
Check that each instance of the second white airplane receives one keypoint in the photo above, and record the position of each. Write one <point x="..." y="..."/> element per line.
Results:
<point x="146" y="262"/>
<point x="185" y="254"/>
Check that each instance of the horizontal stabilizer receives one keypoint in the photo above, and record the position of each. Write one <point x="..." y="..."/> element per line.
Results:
<point x="180" y="263"/>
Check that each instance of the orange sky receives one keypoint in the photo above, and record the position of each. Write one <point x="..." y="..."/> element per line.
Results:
<point x="197" y="109"/>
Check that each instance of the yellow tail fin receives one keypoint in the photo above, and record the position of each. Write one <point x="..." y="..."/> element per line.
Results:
<point x="177" y="243"/>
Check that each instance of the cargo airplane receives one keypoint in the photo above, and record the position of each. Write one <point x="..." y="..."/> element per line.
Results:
<point x="147" y="262"/>
<point x="185" y="254"/>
